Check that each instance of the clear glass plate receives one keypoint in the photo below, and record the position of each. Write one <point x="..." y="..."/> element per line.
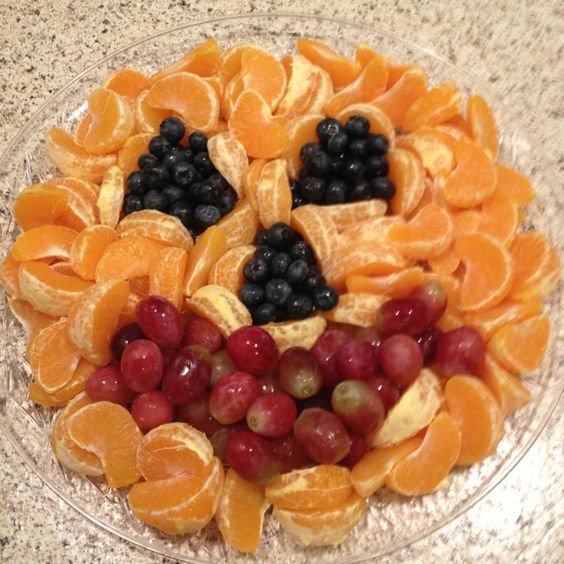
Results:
<point x="392" y="521"/>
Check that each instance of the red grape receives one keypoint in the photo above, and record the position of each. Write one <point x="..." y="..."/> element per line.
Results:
<point x="322" y="436"/>
<point x="219" y="438"/>
<point x="428" y="342"/>
<point x="370" y="335"/>
<point x="221" y="366"/>
<point x="358" y="450"/>
<point x="106" y="384"/>
<point x="299" y="373"/>
<point x="187" y="375"/>
<point x="151" y="409"/>
<point x="142" y="365"/>
<point x="289" y="453"/>
<point x="434" y="297"/>
<point x="356" y="360"/>
<point x="123" y="337"/>
<point x="459" y="351"/>
<point x="269" y="384"/>
<point x="324" y="351"/>
<point x="252" y="457"/>
<point x="160" y="322"/>
<point x="232" y="396"/>
<point x="201" y="331"/>
<point x="385" y="390"/>
<point x="401" y="359"/>
<point x="252" y="349"/>
<point x="197" y="413"/>
<point x="403" y="315"/>
<point x="358" y="406"/>
<point x="272" y="415"/>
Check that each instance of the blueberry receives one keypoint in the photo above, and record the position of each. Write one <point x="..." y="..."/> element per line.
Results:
<point x="251" y="294"/>
<point x="148" y="160"/>
<point x="319" y="164"/>
<point x="265" y="253"/>
<point x="308" y="150"/>
<point x="326" y="298"/>
<point x="155" y="200"/>
<point x="335" y="192"/>
<point x="174" y="156"/>
<point x="173" y="194"/>
<point x="155" y="178"/>
<point x="357" y="149"/>
<point x="136" y="183"/>
<point x="338" y="144"/>
<point x="296" y="273"/>
<point x="337" y="164"/>
<point x="198" y="141"/>
<point x="304" y="173"/>
<point x="159" y="147"/>
<point x="203" y="164"/>
<point x="351" y="170"/>
<point x="357" y="127"/>
<point x="277" y="291"/>
<point x="382" y="188"/>
<point x="172" y="129"/>
<point x="206" y="216"/>
<point x="132" y="203"/>
<point x="376" y="166"/>
<point x="301" y="250"/>
<point x="261" y="238"/>
<point x="295" y="186"/>
<point x="326" y="128"/>
<point x="182" y="211"/>
<point x="281" y="236"/>
<point x="226" y="202"/>
<point x="313" y="189"/>
<point x="256" y="271"/>
<point x="264" y="313"/>
<point x="297" y="201"/>
<point x="193" y="192"/>
<point x="313" y="281"/>
<point x="183" y="174"/>
<point x="218" y="180"/>
<point x="209" y="193"/>
<point x="298" y="306"/>
<point x="188" y="155"/>
<point x="359" y="191"/>
<point x="377" y="144"/>
<point x="280" y="264"/>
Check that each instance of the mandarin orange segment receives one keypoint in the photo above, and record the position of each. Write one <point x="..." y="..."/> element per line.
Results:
<point x="250" y="180"/>
<point x="67" y="452"/>
<point x="482" y="125"/>
<point x="397" y="71"/>
<point x="126" y="82"/>
<point x="408" y="176"/>
<point x="301" y="130"/>
<point x="319" y="487"/>
<point x="9" y="276"/>
<point x="263" y="73"/>
<point x="39" y="204"/>
<point x="510" y="392"/>
<point x="512" y="185"/>
<point x="209" y="247"/>
<point x="322" y="92"/>
<point x="274" y="197"/>
<point x="73" y="160"/>
<point x="363" y="54"/>
<point x="521" y="346"/>
<point x="166" y="229"/>
<point x="81" y="212"/>
<point x="488" y="273"/>
<point x="369" y="84"/>
<point x="374" y="230"/>
<point x="228" y="155"/>
<point x="81" y="129"/>
<point x="240" y="224"/>
<point x="230" y="63"/>
<point x="221" y="307"/>
<point x="302" y="82"/>
<point x="112" y="122"/>
<point x="354" y="308"/>
<point x="230" y="95"/>
<point x="436" y="106"/>
<point x="240" y="514"/>
<point x="30" y="319"/>
<point x="47" y="241"/>
<point x="472" y="182"/>
<point x="426" y="235"/>
<point x="189" y="96"/>
<point x="88" y="248"/>
<point x="47" y="290"/>
<point x="92" y="320"/>
<point x="379" y="122"/>
<point x="128" y="257"/>
<point x="401" y="95"/>
<point x="395" y="285"/>
<point x="81" y="187"/>
<point x="299" y="333"/>
<point x="252" y="123"/>
<point x="369" y="473"/>
<point x="227" y="270"/>
<point x="112" y="193"/>
<point x="132" y="149"/>
<point x="167" y="275"/>
<point x="341" y="70"/>
<point x="108" y="431"/>
<point x="320" y="527"/>
<point x="147" y="118"/>
<point x="474" y="407"/>
<point x="346" y="215"/>
<point x="423" y="470"/>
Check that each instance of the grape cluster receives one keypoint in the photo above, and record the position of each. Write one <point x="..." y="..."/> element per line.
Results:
<point x="180" y="181"/>
<point x="347" y="165"/>
<point x="282" y="280"/>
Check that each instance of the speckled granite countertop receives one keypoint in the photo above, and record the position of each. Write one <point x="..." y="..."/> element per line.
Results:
<point x="516" y="47"/>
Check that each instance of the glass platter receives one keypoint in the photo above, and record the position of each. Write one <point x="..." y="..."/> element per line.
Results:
<point x="392" y="521"/>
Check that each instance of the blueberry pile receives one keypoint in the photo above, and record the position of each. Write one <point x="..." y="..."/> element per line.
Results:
<point x="347" y="165"/>
<point x="180" y="181"/>
<point x="282" y="280"/>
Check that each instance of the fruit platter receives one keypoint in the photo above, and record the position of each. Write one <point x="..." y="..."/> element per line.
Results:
<point x="272" y="292"/>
